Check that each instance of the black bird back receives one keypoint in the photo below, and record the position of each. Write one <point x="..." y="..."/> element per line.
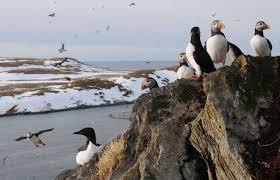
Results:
<point x="201" y="56"/>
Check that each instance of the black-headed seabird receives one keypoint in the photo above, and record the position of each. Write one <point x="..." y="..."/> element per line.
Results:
<point x="197" y="56"/>
<point x="33" y="137"/>
<point x="107" y="28"/>
<point x="150" y="83"/>
<point x="132" y="4"/>
<point x="61" y="50"/>
<point x="83" y="157"/>
<point x="217" y="45"/>
<point x="52" y="14"/>
<point x="260" y="45"/>
<point x="184" y="71"/>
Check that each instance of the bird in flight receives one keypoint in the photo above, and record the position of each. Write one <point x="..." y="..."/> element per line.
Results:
<point x="132" y="4"/>
<point x="108" y="27"/>
<point x="213" y="15"/>
<point x="33" y="137"/>
<point x="61" y="50"/>
<point x="52" y="14"/>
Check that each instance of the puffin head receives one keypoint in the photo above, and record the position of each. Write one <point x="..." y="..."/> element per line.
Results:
<point x="29" y="135"/>
<point x="217" y="25"/>
<point x="150" y="83"/>
<point x="182" y="59"/>
<point x="260" y="26"/>
<point x="89" y="133"/>
<point x="195" y="30"/>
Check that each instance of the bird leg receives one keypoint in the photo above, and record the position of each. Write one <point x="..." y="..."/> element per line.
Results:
<point x="41" y="142"/>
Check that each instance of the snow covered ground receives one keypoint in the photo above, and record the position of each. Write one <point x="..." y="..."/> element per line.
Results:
<point x="42" y="85"/>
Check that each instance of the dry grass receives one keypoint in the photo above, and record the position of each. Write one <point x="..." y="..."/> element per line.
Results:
<point x="140" y="73"/>
<point x="16" y="89"/>
<point x="172" y="68"/>
<point x="42" y="71"/>
<point x="93" y="84"/>
<point x="109" y="160"/>
<point x="21" y="62"/>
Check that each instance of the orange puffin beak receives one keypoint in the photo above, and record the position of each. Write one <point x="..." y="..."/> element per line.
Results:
<point x="267" y="26"/>
<point x="222" y="25"/>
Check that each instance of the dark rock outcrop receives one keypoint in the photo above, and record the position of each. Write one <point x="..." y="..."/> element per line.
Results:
<point x="224" y="127"/>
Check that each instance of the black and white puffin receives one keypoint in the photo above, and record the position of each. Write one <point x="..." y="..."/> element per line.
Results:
<point x="150" y="83"/>
<point x="184" y="71"/>
<point x="197" y="56"/>
<point x="83" y="157"/>
<point x="260" y="45"/>
<point x="217" y="45"/>
<point x="233" y="53"/>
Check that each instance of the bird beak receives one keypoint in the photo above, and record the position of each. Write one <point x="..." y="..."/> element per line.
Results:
<point x="222" y="25"/>
<point x="78" y="132"/>
<point x="142" y="87"/>
<point x="267" y="26"/>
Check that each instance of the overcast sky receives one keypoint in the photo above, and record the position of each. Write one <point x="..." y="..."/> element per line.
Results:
<point x="152" y="30"/>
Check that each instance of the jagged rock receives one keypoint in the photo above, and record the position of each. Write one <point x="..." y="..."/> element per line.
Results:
<point x="224" y="127"/>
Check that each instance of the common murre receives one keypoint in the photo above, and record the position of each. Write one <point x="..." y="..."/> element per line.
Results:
<point x="83" y="157"/>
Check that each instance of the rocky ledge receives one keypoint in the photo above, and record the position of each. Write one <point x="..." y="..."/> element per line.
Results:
<point x="223" y="127"/>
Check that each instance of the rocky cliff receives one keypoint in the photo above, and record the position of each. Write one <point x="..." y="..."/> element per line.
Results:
<point x="225" y="126"/>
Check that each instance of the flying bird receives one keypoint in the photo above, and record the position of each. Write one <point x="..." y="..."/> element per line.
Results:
<point x="4" y="159"/>
<point x="132" y="4"/>
<point x="213" y="15"/>
<point x="33" y="137"/>
<point x="108" y="27"/>
<point x="61" y="50"/>
<point x="52" y="14"/>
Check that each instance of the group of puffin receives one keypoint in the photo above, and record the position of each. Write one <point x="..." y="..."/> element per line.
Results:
<point x="198" y="61"/>
<point x="217" y="50"/>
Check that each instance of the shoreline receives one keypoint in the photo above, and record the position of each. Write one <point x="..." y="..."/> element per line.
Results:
<point x="67" y="109"/>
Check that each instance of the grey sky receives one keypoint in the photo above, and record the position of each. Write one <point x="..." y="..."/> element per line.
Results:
<point x="153" y="30"/>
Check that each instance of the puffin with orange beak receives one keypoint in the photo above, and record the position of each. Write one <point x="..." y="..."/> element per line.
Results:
<point x="260" y="45"/>
<point x="217" y="45"/>
<point x="150" y="83"/>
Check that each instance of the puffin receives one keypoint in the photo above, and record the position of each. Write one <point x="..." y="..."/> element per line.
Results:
<point x="233" y="53"/>
<point x="150" y="83"/>
<point x="260" y="45"/>
<point x="217" y="45"/>
<point x="33" y="137"/>
<point x="197" y="56"/>
<point x="184" y="71"/>
<point x="84" y="157"/>
<point x="62" y="49"/>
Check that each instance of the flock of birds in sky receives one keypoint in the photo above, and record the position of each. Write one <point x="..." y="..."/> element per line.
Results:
<point x="199" y="61"/>
<point x="53" y="15"/>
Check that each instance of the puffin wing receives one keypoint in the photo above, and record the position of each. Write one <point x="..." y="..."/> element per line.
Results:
<point x="237" y="52"/>
<point x="21" y="138"/>
<point x="203" y="59"/>
<point x="43" y="131"/>
<point x="269" y="44"/>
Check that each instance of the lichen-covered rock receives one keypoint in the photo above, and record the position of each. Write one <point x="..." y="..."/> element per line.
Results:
<point x="224" y="127"/>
